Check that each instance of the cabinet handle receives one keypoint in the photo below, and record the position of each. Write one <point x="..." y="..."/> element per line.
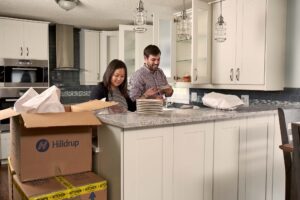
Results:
<point x="21" y="51"/>
<point x="237" y="76"/>
<point x="231" y="74"/>
<point x="27" y="51"/>
<point x="196" y="72"/>
<point x="98" y="76"/>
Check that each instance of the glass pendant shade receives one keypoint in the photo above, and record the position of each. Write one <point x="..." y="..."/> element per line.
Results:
<point x="220" y="27"/>
<point x="183" y="27"/>
<point x="67" y="4"/>
<point x="140" y="18"/>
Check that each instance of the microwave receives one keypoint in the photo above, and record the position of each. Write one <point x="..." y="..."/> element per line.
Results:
<point x="24" y="73"/>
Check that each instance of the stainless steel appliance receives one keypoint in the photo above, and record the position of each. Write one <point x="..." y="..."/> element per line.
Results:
<point x="24" y="73"/>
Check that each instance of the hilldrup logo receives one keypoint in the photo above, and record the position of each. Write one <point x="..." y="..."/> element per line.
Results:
<point x="43" y="145"/>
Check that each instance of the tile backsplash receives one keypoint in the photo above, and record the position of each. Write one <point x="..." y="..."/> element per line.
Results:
<point x="287" y="95"/>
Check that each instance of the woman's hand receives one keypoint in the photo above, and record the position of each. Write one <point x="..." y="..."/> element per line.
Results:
<point x="116" y="109"/>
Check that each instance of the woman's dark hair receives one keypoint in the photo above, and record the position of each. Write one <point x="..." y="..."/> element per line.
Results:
<point x="111" y="68"/>
<point x="151" y="50"/>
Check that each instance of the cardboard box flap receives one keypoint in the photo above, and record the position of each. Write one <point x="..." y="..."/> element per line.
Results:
<point x="7" y="113"/>
<point x="41" y="120"/>
<point x="38" y="187"/>
<point x="92" y="105"/>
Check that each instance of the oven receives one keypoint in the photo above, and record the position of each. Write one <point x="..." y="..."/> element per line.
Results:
<point x="6" y="102"/>
<point x="24" y="73"/>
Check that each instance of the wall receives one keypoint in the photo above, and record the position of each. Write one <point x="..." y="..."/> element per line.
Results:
<point x="293" y="45"/>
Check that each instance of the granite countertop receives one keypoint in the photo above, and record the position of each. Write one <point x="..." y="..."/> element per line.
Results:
<point x="182" y="116"/>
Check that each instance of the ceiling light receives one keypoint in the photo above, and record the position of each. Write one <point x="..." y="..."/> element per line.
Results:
<point x="140" y="18"/>
<point x="67" y="4"/>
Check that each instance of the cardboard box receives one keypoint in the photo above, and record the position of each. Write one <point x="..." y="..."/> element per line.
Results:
<point x="52" y="144"/>
<point x="10" y="174"/>
<point x="87" y="186"/>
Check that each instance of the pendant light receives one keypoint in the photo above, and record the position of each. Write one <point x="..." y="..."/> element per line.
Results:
<point x="67" y="4"/>
<point x="183" y="28"/>
<point x="220" y="27"/>
<point x="140" y="18"/>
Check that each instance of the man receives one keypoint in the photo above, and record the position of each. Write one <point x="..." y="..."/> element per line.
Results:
<point x="150" y="81"/>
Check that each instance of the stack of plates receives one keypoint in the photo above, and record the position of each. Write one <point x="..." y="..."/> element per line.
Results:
<point x="149" y="106"/>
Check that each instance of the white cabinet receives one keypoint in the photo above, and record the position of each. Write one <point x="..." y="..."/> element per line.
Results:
<point x="252" y="57"/>
<point x="227" y="138"/>
<point x="148" y="156"/>
<point x="131" y="46"/>
<point x="193" y="56"/>
<point x="243" y="158"/>
<point x="164" y="36"/>
<point x="89" y="57"/>
<point x="234" y="159"/>
<point x="23" y="39"/>
<point x="256" y="158"/>
<point x="109" y="49"/>
<point x="193" y="161"/>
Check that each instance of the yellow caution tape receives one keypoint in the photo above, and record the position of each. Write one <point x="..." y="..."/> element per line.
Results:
<point x="72" y="191"/>
<point x="64" y="182"/>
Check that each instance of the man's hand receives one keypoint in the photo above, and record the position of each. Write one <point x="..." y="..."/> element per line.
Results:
<point x="150" y="92"/>
<point x="168" y="91"/>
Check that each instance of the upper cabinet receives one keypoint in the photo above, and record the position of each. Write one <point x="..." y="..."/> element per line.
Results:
<point x="185" y="56"/>
<point x="252" y="56"/>
<point x="89" y="57"/>
<point x="131" y="46"/>
<point x="97" y="49"/>
<point x="109" y="49"/>
<point x="23" y="39"/>
<point x="201" y="45"/>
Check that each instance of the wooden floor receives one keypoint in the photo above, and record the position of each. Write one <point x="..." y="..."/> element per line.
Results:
<point x="3" y="182"/>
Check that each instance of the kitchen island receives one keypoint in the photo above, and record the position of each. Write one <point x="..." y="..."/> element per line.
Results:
<point x="201" y="154"/>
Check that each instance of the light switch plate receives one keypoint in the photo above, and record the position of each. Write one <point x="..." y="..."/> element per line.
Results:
<point x="193" y="96"/>
<point x="245" y="99"/>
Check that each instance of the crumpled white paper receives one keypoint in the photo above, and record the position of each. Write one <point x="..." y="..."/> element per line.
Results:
<point x="46" y="102"/>
<point x="222" y="101"/>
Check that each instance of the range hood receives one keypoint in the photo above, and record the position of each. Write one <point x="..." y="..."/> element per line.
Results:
<point x="64" y="47"/>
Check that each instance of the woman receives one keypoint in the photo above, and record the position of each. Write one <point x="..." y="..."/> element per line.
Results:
<point x="114" y="86"/>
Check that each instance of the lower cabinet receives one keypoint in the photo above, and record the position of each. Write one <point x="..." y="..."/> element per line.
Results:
<point x="227" y="137"/>
<point x="148" y="163"/>
<point x="236" y="159"/>
<point x="193" y="161"/>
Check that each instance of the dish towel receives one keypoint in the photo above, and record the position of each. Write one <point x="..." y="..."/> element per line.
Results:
<point x="222" y="101"/>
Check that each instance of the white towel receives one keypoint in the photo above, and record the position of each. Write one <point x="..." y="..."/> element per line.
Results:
<point x="222" y="101"/>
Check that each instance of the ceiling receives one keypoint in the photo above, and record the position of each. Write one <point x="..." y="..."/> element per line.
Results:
<point x="96" y="14"/>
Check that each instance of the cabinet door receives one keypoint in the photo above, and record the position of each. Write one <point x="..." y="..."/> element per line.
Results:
<point x="227" y="137"/>
<point x="127" y="47"/>
<point x="141" y="41"/>
<point x="193" y="161"/>
<point x="224" y="53"/>
<point x="109" y="49"/>
<point x="148" y="155"/>
<point x="35" y="36"/>
<point x="201" y="46"/>
<point x="11" y="38"/>
<point x="89" y="57"/>
<point x="164" y="33"/>
<point x="251" y="50"/>
<point x="256" y="159"/>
